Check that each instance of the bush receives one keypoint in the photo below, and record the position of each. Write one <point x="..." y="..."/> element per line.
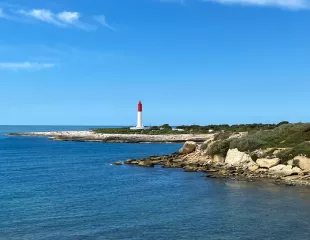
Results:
<point x="286" y="135"/>
<point x="222" y="136"/>
<point x="244" y="144"/>
<point x="204" y="146"/>
<point x="254" y="157"/>
<point x="218" y="148"/>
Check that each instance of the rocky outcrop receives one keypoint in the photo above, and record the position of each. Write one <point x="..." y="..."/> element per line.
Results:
<point x="284" y="170"/>
<point x="188" y="147"/>
<point x="302" y="162"/>
<point x="267" y="163"/>
<point x="236" y="158"/>
<point x="236" y="165"/>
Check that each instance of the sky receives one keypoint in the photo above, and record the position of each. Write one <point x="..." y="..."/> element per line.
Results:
<point x="68" y="62"/>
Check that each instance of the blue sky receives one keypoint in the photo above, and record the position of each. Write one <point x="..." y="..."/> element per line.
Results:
<point x="189" y="61"/>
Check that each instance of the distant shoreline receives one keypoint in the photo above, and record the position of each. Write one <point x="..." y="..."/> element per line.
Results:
<point x="90" y="136"/>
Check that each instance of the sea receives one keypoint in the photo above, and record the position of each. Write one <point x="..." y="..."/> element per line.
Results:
<point x="69" y="190"/>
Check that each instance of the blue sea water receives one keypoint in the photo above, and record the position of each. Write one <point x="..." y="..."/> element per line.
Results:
<point x="70" y="190"/>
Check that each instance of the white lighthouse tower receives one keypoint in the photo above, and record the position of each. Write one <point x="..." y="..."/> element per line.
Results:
<point x="139" y="118"/>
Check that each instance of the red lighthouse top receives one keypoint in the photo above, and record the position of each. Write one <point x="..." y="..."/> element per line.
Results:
<point x="140" y="106"/>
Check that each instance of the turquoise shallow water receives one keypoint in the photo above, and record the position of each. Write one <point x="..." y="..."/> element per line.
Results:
<point x="68" y="190"/>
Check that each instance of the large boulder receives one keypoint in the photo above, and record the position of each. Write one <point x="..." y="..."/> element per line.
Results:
<point x="267" y="163"/>
<point x="188" y="147"/>
<point x="236" y="158"/>
<point x="302" y="162"/>
<point x="284" y="170"/>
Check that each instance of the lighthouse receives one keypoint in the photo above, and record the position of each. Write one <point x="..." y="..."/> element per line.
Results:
<point x="139" y="117"/>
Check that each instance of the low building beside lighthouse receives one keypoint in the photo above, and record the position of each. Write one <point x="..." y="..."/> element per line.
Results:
<point x="139" y="118"/>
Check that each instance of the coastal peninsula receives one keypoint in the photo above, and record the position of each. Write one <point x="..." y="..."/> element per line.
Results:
<point x="278" y="152"/>
<point x="92" y="136"/>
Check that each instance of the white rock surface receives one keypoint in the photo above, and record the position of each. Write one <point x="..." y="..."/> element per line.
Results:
<point x="253" y="168"/>
<point x="302" y="162"/>
<point x="290" y="162"/>
<point x="267" y="163"/>
<point x="236" y="158"/>
<point x="284" y="170"/>
<point x="218" y="159"/>
<point x="188" y="147"/>
<point x="102" y="137"/>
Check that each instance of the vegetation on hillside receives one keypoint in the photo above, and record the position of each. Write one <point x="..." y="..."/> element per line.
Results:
<point x="195" y="129"/>
<point x="295" y="138"/>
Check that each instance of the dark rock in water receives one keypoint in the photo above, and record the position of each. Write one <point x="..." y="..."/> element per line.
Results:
<point x="146" y="164"/>
<point x="131" y="161"/>
<point x="170" y="164"/>
<point x="190" y="168"/>
<point x="118" y="163"/>
<point x="211" y="176"/>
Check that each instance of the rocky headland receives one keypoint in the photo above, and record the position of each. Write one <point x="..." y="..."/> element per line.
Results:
<point x="279" y="155"/>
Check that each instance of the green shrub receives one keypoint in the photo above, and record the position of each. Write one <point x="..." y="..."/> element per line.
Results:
<point x="285" y="155"/>
<point x="219" y="148"/>
<point x="222" y="136"/>
<point x="286" y="135"/>
<point x="254" y="157"/>
<point x="204" y="146"/>
<point x="299" y="149"/>
<point x="244" y="144"/>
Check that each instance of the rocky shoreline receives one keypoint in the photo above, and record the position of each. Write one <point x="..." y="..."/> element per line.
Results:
<point x="90" y="136"/>
<point x="237" y="165"/>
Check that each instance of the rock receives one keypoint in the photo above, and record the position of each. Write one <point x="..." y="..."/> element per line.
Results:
<point x="282" y="170"/>
<point x="290" y="162"/>
<point x="268" y="163"/>
<point x="190" y="168"/>
<point x="188" y="147"/>
<point x="118" y="163"/>
<point x="131" y="161"/>
<point x="278" y="150"/>
<point x="253" y="168"/>
<point x="146" y="164"/>
<point x="173" y="165"/>
<point x="235" y="157"/>
<point x="218" y="159"/>
<point x="297" y="170"/>
<point x="302" y="162"/>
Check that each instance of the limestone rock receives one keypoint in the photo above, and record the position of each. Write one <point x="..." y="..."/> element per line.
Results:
<point x="146" y="164"/>
<point x="283" y="170"/>
<point x="218" y="159"/>
<point x="267" y="163"/>
<point x="253" y="168"/>
<point x="296" y="170"/>
<point x="290" y="162"/>
<point x="302" y="162"/>
<point x="235" y="157"/>
<point x="188" y="147"/>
